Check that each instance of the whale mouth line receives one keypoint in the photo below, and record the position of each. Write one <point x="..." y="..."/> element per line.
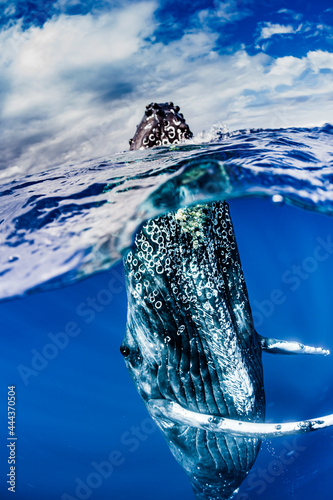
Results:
<point x="172" y="411"/>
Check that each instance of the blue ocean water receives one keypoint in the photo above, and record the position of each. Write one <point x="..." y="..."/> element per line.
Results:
<point x="82" y="430"/>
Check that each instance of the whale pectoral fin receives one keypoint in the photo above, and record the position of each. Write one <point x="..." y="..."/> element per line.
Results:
<point x="162" y="409"/>
<point x="275" y="346"/>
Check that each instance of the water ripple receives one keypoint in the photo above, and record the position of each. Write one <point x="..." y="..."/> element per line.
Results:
<point x="60" y="225"/>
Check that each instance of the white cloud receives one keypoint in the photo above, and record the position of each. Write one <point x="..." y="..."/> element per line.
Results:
<point x="61" y="82"/>
<point x="291" y="13"/>
<point x="76" y="88"/>
<point x="270" y="30"/>
<point x="286" y="68"/>
<point x="320" y="60"/>
<point x="225" y="12"/>
<point x="67" y="46"/>
<point x="10" y="10"/>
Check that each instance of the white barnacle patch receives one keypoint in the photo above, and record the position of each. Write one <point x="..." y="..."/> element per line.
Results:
<point x="192" y="221"/>
<point x="208" y="307"/>
<point x="239" y="314"/>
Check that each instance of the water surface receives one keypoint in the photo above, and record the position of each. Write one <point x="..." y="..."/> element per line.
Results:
<point x="75" y="221"/>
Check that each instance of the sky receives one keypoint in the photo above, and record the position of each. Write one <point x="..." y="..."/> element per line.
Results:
<point x="75" y="76"/>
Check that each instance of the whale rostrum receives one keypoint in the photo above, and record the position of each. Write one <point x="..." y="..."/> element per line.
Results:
<point x="161" y="125"/>
<point x="190" y="344"/>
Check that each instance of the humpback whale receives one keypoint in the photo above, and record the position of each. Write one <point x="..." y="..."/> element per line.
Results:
<point x="190" y="344"/>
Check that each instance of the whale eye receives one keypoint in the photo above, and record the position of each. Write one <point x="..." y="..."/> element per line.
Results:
<point x="125" y="351"/>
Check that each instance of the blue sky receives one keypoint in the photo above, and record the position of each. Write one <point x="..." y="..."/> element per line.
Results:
<point x="75" y="76"/>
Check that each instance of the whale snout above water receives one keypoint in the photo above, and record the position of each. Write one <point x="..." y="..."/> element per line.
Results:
<point x="161" y="125"/>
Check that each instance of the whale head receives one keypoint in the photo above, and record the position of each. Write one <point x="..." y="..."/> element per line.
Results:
<point x="190" y="341"/>
<point x="161" y="125"/>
